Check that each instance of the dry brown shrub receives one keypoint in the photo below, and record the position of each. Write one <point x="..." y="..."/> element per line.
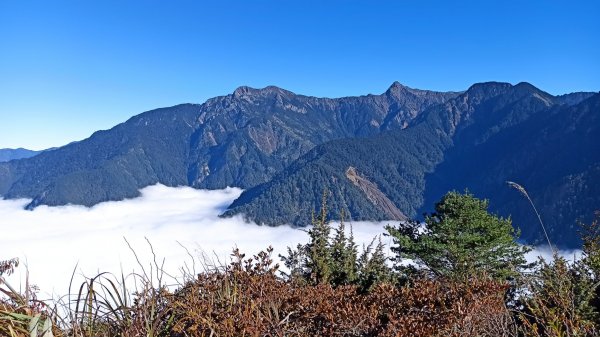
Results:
<point x="248" y="299"/>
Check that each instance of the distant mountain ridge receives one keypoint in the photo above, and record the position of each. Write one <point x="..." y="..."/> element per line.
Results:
<point x="12" y="154"/>
<point x="383" y="157"/>
<point x="242" y="139"/>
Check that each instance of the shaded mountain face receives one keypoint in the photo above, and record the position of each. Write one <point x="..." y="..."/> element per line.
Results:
<point x="12" y="154"/>
<point x="552" y="152"/>
<point x="242" y="139"/>
<point x="110" y="165"/>
<point x="492" y="133"/>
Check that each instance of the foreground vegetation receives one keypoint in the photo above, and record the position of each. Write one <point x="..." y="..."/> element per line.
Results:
<point x="468" y="277"/>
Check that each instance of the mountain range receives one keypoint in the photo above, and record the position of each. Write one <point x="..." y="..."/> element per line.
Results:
<point x="490" y="134"/>
<point x="12" y="154"/>
<point x="381" y="157"/>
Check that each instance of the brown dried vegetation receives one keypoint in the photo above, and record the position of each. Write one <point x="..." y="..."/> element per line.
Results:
<point x="249" y="298"/>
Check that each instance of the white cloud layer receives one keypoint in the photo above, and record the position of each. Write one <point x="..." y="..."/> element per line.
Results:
<point x="51" y="241"/>
<point x="546" y="253"/>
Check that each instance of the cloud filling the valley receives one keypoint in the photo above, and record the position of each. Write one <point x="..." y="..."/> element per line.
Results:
<point x="52" y="241"/>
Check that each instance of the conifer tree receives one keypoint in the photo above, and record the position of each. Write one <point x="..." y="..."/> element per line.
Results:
<point x="461" y="238"/>
<point x="335" y="260"/>
<point x="352" y="249"/>
<point x="343" y="256"/>
<point x="372" y="267"/>
<point x="319" y="254"/>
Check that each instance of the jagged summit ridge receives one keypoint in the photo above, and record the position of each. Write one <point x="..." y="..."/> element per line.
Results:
<point x="244" y="91"/>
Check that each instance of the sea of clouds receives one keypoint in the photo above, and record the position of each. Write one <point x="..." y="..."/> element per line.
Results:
<point x="52" y="243"/>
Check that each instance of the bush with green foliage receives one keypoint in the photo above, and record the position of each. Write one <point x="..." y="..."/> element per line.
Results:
<point x="564" y="297"/>
<point x="460" y="239"/>
<point x="558" y="301"/>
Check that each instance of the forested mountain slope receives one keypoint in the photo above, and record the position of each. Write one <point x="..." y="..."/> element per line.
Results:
<point x="492" y="133"/>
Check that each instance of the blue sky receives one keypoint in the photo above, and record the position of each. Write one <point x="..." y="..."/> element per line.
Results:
<point x="68" y="68"/>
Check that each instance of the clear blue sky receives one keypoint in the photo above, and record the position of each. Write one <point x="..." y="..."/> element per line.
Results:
<point x="68" y="68"/>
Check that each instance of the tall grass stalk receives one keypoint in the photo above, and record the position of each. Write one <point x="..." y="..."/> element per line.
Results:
<point x="523" y="191"/>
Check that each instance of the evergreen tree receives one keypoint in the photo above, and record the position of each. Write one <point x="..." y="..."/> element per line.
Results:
<point x="372" y="267"/>
<point x="352" y="249"/>
<point x="334" y="260"/>
<point x="319" y="255"/>
<point x="343" y="256"/>
<point x="460" y="239"/>
<point x="590" y="235"/>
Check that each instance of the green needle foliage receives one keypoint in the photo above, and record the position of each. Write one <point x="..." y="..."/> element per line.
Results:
<point x="460" y="239"/>
<point x="319" y="252"/>
<point x="334" y="260"/>
<point x="372" y="265"/>
<point x="559" y="301"/>
<point x="343" y="257"/>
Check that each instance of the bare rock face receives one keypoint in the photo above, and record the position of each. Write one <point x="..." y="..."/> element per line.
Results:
<point x="374" y="195"/>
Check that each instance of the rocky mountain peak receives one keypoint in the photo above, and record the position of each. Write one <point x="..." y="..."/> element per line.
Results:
<point x="489" y="89"/>
<point x="271" y="90"/>
<point x="243" y="91"/>
<point x="396" y="86"/>
<point x="397" y="89"/>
